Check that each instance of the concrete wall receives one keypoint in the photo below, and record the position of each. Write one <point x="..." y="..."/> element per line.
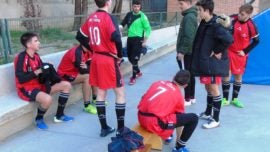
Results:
<point x="15" y="9"/>
<point x="264" y="4"/>
<point x="221" y="6"/>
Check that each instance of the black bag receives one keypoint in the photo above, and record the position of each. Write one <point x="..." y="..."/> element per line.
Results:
<point x="48" y="75"/>
<point x="126" y="141"/>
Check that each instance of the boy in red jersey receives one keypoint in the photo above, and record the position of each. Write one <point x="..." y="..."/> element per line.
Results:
<point x="74" y="67"/>
<point x="28" y="69"/>
<point x="246" y="38"/>
<point x="101" y="32"/>
<point x="161" y="110"/>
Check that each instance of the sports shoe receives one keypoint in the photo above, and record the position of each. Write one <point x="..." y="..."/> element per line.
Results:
<point x="41" y="124"/>
<point x="138" y="74"/>
<point x="224" y="102"/>
<point x="187" y="103"/>
<point x="169" y="139"/>
<point x="63" y="118"/>
<point x="105" y="132"/>
<point x="204" y="116"/>
<point x="183" y="149"/>
<point x="211" y="124"/>
<point x="237" y="103"/>
<point x="91" y="109"/>
<point x="193" y="101"/>
<point x="132" y="81"/>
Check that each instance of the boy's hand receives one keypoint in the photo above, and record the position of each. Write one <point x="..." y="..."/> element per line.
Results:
<point x="241" y="53"/>
<point x="83" y="65"/>
<point x="218" y="56"/>
<point x="180" y="56"/>
<point x="38" y="71"/>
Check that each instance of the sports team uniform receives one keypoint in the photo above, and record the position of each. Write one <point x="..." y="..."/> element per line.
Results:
<point x="154" y="105"/>
<point x="243" y="32"/>
<point x="210" y="80"/>
<point x="27" y="84"/>
<point x="69" y="66"/>
<point x="105" y="40"/>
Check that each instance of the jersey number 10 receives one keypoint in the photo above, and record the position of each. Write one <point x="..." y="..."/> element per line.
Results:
<point x="94" y="35"/>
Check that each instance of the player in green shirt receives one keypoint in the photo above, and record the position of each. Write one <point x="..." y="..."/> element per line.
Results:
<point x="139" y="30"/>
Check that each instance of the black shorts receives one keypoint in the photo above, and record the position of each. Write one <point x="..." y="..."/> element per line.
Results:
<point x="134" y="47"/>
<point x="32" y="94"/>
<point x="68" y="78"/>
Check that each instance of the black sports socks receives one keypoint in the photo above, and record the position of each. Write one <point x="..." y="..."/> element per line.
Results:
<point x="62" y="100"/>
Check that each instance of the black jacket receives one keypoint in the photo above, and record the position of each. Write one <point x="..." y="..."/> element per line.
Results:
<point x="211" y="37"/>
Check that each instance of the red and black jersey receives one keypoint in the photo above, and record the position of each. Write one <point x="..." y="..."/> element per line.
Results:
<point x="162" y="99"/>
<point x="70" y="63"/>
<point x="243" y="32"/>
<point x="25" y="66"/>
<point x="102" y="30"/>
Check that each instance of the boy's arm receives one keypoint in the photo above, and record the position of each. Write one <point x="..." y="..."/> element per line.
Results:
<point x="189" y="31"/>
<point x="146" y="27"/>
<point x="254" y="37"/>
<point x="125" y="20"/>
<point x="116" y="37"/>
<point x="78" y="62"/>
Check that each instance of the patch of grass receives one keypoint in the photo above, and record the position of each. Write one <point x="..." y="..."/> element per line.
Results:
<point x="48" y="37"/>
<point x="51" y="35"/>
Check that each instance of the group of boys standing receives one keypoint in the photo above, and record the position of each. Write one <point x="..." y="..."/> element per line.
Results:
<point x="201" y="50"/>
<point x="214" y="50"/>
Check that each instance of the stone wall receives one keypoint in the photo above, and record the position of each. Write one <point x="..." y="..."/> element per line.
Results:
<point x="15" y="9"/>
<point x="221" y="6"/>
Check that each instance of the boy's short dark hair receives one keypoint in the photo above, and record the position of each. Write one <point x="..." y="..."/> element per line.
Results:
<point x="136" y="2"/>
<point x="27" y="37"/>
<point x="100" y="3"/>
<point x="206" y="5"/>
<point x="248" y="8"/>
<point x="182" y="77"/>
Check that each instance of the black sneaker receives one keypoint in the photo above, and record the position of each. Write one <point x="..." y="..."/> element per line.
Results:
<point x="105" y="132"/>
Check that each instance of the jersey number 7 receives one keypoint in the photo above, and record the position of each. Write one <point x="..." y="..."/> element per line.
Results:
<point x="160" y="91"/>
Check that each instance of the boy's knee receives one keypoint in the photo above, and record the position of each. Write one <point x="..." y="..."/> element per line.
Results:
<point x="66" y="85"/>
<point x="194" y="117"/>
<point x="46" y="101"/>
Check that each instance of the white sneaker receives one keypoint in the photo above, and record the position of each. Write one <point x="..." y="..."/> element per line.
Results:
<point x="211" y="124"/>
<point x="187" y="103"/>
<point x="204" y="116"/>
<point x="193" y="101"/>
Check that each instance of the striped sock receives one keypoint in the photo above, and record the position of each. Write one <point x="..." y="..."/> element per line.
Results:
<point x="226" y="89"/>
<point x="86" y="103"/>
<point x="120" y="114"/>
<point x="40" y="112"/>
<point x="101" y="110"/>
<point x="62" y="100"/>
<point x="236" y="89"/>
<point x="209" y="106"/>
<point x="216" y="107"/>
<point x="180" y="144"/>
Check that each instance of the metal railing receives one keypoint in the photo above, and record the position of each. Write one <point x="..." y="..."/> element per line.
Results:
<point x="58" y="33"/>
